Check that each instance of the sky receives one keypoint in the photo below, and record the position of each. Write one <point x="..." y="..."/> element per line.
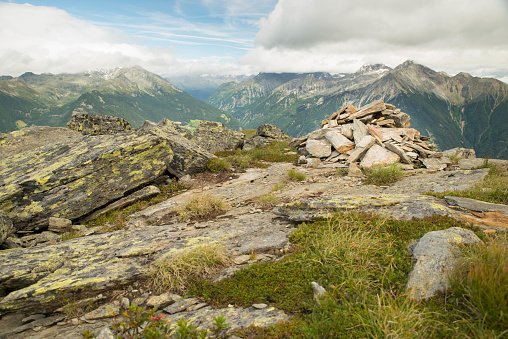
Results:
<point x="189" y="37"/>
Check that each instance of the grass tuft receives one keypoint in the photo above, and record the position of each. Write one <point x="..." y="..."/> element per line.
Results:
<point x="202" y="207"/>
<point x="383" y="175"/>
<point x="482" y="278"/>
<point x="296" y="176"/>
<point x="175" y="272"/>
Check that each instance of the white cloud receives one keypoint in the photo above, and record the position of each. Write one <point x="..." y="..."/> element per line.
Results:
<point x="342" y="35"/>
<point x="48" y="39"/>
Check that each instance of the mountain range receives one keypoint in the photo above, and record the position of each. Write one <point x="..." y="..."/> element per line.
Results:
<point x="131" y="93"/>
<point x="455" y="111"/>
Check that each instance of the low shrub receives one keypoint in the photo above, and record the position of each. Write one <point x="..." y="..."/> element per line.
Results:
<point x="218" y="164"/>
<point x="383" y="175"/>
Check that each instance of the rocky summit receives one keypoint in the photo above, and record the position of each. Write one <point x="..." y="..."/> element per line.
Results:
<point x="49" y="188"/>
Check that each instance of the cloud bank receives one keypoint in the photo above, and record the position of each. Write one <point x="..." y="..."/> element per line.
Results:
<point x="342" y="35"/>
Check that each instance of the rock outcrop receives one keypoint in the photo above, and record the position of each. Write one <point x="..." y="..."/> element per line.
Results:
<point x="187" y="158"/>
<point x="436" y="256"/>
<point x="214" y="137"/>
<point x="93" y="124"/>
<point x="71" y="180"/>
<point x="265" y="135"/>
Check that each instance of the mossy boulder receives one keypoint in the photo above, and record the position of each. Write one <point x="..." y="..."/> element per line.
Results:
<point x="94" y="124"/>
<point x="188" y="157"/>
<point x="214" y="137"/>
<point x="70" y="180"/>
<point x="265" y="135"/>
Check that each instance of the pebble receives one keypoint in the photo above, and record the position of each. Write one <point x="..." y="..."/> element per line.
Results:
<point x="260" y="306"/>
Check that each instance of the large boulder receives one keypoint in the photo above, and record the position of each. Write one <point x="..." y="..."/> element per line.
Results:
<point x="188" y="157"/>
<point x="94" y="124"/>
<point x="214" y="137"/>
<point x="436" y="255"/>
<point x="265" y="135"/>
<point x="70" y="180"/>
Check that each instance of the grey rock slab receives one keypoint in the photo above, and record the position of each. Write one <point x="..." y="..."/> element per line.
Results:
<point x="162" y="300"/>
<point x="403" y="207"/>
<point x="104" y="311"/>
<point x="476" y="205"/>
<point x="360" y="131"/>
<point x="321" y="148"/>
<point x="237" y="317"/>
<point x="400" y="152"/>
<point x="438" y="182"/>
<point x="436" y="256"/>
<point x="181" y="305"/>
<point x="59" y="225"/>
<point x="433" y="164"/>
<point x="339" y="142"/>
<point x="377" y="155"/>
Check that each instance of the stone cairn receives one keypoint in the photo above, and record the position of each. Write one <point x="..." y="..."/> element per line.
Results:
<point x="375" y="134"/>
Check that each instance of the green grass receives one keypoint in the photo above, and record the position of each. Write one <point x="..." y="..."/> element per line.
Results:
<point x="494" y="188"/>
<point x="240" y="159"/>
<point x="362" y="262"/>
<point x="295" y="175"/>
<point x="482" y="280"/>
<point x="383" y="175"/>
<point x="115" y="220"/>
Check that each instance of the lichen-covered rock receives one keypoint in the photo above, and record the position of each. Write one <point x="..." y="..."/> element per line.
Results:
<point x="71" y="180"/>
<point x="94" y="124"/>
<point x="436" y="256"/>
<point x="214" y="137"/>
<point x="265" y="135"/>
<point x="270" y="131"/>
<point x="5" y="226"/>
<point x="30" y="138"/>
<point x="188" y="157"/>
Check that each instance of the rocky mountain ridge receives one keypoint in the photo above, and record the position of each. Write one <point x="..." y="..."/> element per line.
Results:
<point x="131" y="93"/>
<point x="455" y="111"/>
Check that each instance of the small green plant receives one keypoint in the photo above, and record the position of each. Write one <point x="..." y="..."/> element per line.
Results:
<point x="295" y="175"/>
<point x="279" y="186"/>
<point x="220" y="327"/>
<point x="175" y="272"/>
<point x="454" y="158"/>
<point x="138" y="322"/>
<point x="202" y="207"/>
<point x="383" y="175"/>
<point x="342" y="172"/>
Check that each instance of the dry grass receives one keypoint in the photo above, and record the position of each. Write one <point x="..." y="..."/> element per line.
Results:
<point x="202" y="207"/>
<point x="200" y="262"/>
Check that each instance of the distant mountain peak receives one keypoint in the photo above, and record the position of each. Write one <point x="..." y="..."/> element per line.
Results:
<point x="373" y="69"/>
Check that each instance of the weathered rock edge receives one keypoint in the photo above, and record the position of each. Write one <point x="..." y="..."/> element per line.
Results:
<point x="71" y="180"/>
